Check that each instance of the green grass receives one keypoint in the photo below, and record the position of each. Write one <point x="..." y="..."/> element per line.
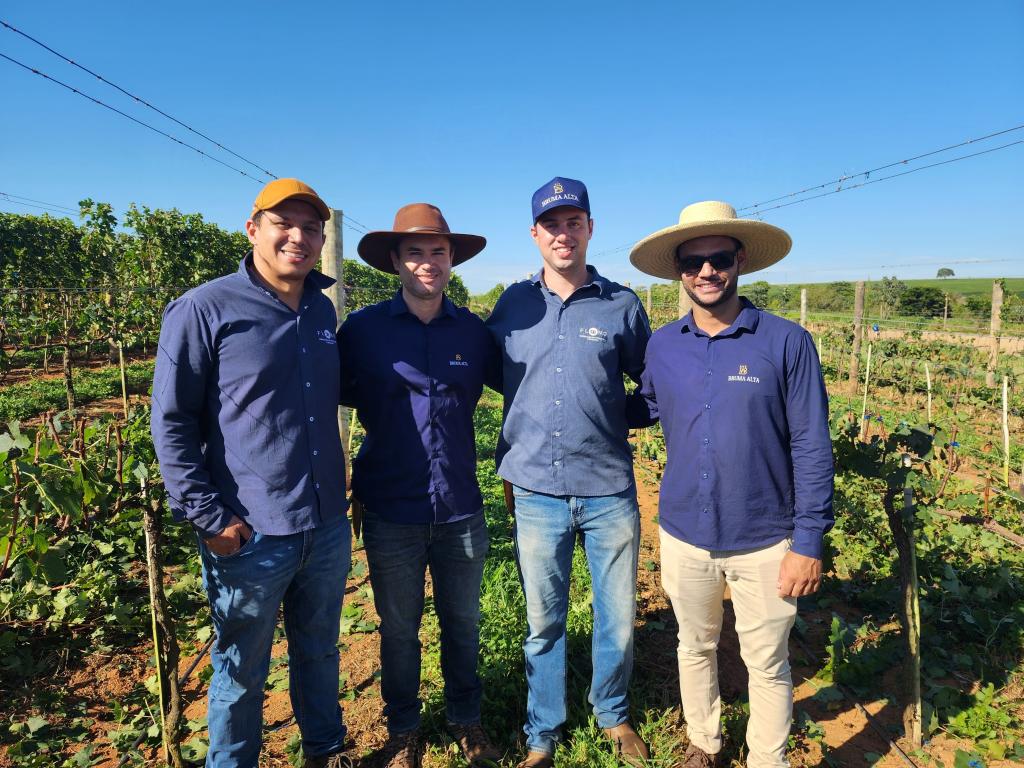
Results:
<point x="30" y="398"/>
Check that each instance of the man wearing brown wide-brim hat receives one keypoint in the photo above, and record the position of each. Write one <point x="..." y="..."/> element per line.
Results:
<point x="414" y="367"/>
<point x="746" y="496"/>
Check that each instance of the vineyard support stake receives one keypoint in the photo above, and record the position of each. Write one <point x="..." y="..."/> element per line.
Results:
<point x="165" y="643"/>
<point x="864" y="405"/>
<point x="1006" y="436"/>
<point x="928" y="383"/>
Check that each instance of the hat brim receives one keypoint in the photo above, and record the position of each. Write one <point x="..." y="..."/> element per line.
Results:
<point x="764" y="244"/>
<point x="375" y="247"/>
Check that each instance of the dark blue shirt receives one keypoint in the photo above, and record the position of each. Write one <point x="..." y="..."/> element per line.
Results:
<point x="745" y="417"/>
<point x="245" y="407"/>
<point x="415" y="386"/>
<point x="564" y="431"/>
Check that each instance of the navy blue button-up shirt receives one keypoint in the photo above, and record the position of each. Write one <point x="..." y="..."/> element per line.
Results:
<point x="745" y="417"/>
<point x="415" y="386"/>
<point x="564" y="430"/>
<point x="245" y="407"/>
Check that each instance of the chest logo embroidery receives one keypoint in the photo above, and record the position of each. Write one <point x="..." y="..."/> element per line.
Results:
<point x="742" y="375"/>
<point x="458" y="361"/>
<point x="593" y="334"/>
<point x="326" y="336"/>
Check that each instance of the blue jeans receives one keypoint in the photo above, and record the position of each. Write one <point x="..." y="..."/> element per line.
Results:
<point x="545" y="534"/>
<point x="398" y="556"/>
<point x="306" y="571"/>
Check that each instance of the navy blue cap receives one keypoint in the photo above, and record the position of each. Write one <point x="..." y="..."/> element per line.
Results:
<point x="560" y="191"/>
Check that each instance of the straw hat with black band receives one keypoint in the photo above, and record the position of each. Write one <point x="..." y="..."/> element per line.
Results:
<point x="764" y="244"/>
<point x="416" y="219"/>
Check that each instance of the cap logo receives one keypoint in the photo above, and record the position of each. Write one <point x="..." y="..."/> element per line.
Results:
<point x="558" y="188"/>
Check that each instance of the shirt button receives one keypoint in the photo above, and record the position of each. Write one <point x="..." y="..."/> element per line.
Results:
<point x="316" y="452"/>
<point x="705" y="510"/>
<point x="558" y="370"/>
<point x="561" y="335"/>
<point x="303" y="350"/>
<point x="709" y="373"/>
<point x="557" y="462"/>
<point x="557" y="434"/>
<point x="558" y="402"/>
<point x="706" y="441"/>
<point x="318" y="486"/>
<point x="311" y="418"/>
<point x="308" y="385"/>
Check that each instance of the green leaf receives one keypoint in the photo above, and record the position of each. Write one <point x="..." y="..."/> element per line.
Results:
<point x="36" y="723"/>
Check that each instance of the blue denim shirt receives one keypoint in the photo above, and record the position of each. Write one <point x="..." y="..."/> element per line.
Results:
<point x="415" y="386"/>
<point x="564" y="430"/>
<point x="745" y="417"/>
<point x="245" y="407"/>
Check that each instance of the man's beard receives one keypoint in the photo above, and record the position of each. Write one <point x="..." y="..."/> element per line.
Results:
<point x="730" y="291"/>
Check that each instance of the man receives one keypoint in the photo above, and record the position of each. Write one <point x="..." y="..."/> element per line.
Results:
<point x="245" y="401"/>
<point x="414" y="366"/>
<point x="747" y="492"/>
<point x="568" y="335"/>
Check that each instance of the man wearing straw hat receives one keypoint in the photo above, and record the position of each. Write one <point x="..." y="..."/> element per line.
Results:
<point x="568" y="336"/>
<point x="414" y="366"/>
<point x="245" y="425"/>
<point x="747" y="492"/>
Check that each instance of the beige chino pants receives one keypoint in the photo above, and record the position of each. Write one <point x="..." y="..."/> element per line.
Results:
<point x="695" y="581"/>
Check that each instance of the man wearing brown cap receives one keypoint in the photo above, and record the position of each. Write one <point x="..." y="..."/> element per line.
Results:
<point x="414" y="366"/>
<point x="244" y="422"/>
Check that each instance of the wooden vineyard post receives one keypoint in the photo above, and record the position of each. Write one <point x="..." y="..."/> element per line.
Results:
<point x="858" y="318"/>
<point x="124" y="377"/>
<point x="994" y="328"/>
<point x="945" y="311"/>
<point x="332" y="261"/>
<point x="685" y="304"/>
<point x="912" y="607"/>
<point x="928" y="383"/>
<point x="864" y="404"/>
<point x="648" y="301"/>
<point x="803" y="308"/>
<point x="165" y="644"/>
<point x="1006" y="436"/>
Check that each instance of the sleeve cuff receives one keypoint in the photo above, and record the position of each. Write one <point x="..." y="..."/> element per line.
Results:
<point x="808" y="543"/>
<point x="212" y="522"/>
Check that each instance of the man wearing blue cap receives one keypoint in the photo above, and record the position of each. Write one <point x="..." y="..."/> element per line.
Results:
<point x="568" y="335"/>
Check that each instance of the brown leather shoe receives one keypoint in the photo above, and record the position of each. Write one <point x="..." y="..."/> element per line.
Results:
<point x="695" y="757"/>
<point x="402" y="750"/>
<point x="536" y="760"/>
<point x="472" y="740"/>
<point x="628" y="746"/>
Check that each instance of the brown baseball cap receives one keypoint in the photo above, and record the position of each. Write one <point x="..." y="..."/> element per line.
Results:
<point x="279" y="190"/>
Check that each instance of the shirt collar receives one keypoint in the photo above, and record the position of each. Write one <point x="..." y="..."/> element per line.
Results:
<point x="318" y="280"/>
<point x="397" y="306"/>
<point x="747" y="319"/>
<point x="603" y="286"/>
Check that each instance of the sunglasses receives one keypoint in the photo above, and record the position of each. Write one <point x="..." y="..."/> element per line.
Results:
<point x="719" y="261"/>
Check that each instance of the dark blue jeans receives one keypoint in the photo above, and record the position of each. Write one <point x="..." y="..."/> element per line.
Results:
<point x="398" y="556"/>
<point x="305" y="571"/>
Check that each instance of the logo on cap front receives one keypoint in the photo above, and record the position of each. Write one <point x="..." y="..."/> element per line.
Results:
<point x="558" y="188"/>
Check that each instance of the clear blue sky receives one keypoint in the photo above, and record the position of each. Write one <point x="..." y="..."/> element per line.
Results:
<point x="473" y="105"/>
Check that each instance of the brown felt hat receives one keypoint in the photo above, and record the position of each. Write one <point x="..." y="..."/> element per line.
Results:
<point x="416" y="219"/>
